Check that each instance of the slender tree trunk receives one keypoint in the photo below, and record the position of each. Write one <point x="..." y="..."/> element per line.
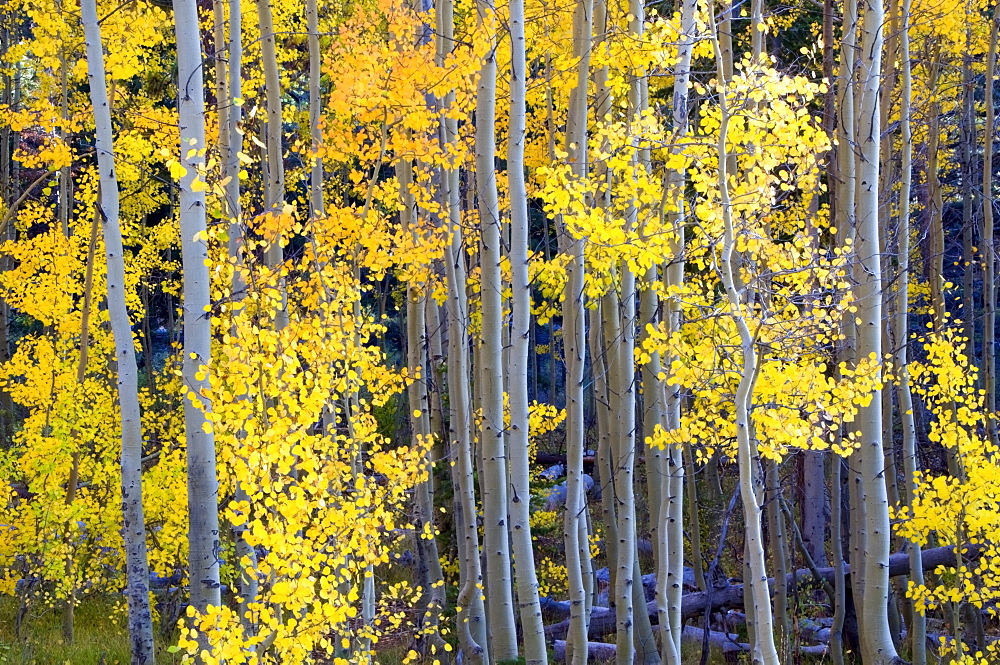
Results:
<point x="764" y="650"/>
<point x="877" y="644"/>
<point x="249" y="586"/>
<point x="203" y="487"/>
<point x="578" y="566"/>
<point x="316" y="207"/>
<point x="968" y="140"/>
<point x="814" y="505"/>
<point x="140" y="620"/>
<point x="532" y="629"/>
<point x="934" y="262"/>
<point x="431" y="575"/>
<point x="503" y="642"/>
<point x="918" y="621"/>
<point x="779" y="556"/>
<point x="837" y="554"/>
<point x="672" y="514"/>
<point x="274" y="172"/>
<point x="989" y="243"/>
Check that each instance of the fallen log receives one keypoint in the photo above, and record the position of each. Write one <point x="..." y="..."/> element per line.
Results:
<point x="730" y="596"/>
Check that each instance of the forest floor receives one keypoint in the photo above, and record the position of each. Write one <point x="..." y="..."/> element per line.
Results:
<point x="101" y="635"/>
<point x="102" y="638"/>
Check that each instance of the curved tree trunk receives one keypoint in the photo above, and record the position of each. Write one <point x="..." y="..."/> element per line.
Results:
<point x="764" y="650"/>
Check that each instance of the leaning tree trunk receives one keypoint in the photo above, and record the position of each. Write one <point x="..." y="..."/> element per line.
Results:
<point x="203" y="486"/>
<point x="140" y="621"/>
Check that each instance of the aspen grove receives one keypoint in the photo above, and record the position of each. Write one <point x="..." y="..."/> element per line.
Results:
<point x="499" y="331"/>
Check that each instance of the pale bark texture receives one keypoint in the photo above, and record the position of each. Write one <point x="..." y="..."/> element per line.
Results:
<point x="499" y="595"/>
<point x="764" y="650"/>
<point x="203" y="488"/>
<point x="578" y="567"/>
<point x="671" y="516"/>
<point x="532" y="629"/>
<point x="989" y="242"/>
<point x="140" y="621"/>
<point x="316" y="208"/>
<point x="876" y="637"/>
<point x="918" y="622"/>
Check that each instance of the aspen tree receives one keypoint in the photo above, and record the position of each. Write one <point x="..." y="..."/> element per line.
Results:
<point x="274" y="174"/>
<point x="231" y="142"/>
<point x="316" y="208"/>
<point x="764" y="650"/>
<point x="876" y="637"/>
<point x="989" y="243"/>
<point x="470" y="617"/>
<point x="844" y="206"/>
<point x="837" y="547"/>
<point x="140" y="621"/>
<point x="670" y="574"/>
<point x="274" y="163"/>
<point x="520" y="498"/>
<point x="622" y="383"/>
<point x="967" y="138"/>
<point x="578" y="566"/>
<point x="203" y="535"/>
<point x="430" y="575"/>
<point x="918" y="622"/>
<point x="496" y="543"/>
<point x="599" y="335"/>
<point x="779" y="555"/>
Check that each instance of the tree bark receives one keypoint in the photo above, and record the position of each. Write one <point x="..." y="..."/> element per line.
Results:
<point x="989" y="243"/>
<point x="764" y="650"/>
<point x="877" y="643"/>
<point x="203" y="487"/>
<point x="578" y="566"/>
<point x="532" y="629"/>
<point x="499" y="598"/>
<point x="140" y="621"/>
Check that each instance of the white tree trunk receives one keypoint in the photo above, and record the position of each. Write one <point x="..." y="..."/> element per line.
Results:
<point x="203" y="488"/>
<point x="140" y="622"/>
<point x="989" y="244"/>
<point x="918" y="627"/>
<point x="877" y="644"/>
<point x="763" y="643"/>
<point x="578" y="566"/>
<point x="316" y="207"/>
<point x="533" y="631"/>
